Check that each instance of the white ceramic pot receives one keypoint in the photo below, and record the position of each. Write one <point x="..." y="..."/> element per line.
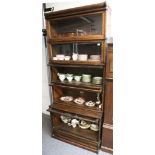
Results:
<point x="60" y="56"/>
<point x="61" y="76"/>
<point x="77" y="78"/>
<point x="83" y="57"/>
<point x="75" y="56"/>
<point x="67" y="58"/>
<point x="69" y="78"/>
<point x="74" y="122"/>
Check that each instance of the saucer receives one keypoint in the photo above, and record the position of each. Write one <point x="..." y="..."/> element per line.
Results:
<point x="79" y="100"/>
<point x="90" y="104"/>
<point x="66" y="98"/>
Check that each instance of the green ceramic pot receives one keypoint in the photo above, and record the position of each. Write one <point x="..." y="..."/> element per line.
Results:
<point x="97" y="80"/>
<point x="86" y="78"/>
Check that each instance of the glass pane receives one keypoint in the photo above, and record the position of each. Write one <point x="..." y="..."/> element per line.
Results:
<point x="84" y="51"/>
<point x="78" y="26"/>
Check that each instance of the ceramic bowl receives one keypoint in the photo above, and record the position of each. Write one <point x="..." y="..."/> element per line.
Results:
<point x="67" y="58"/>
<point x="55" y="58"/>
<point x="94" y="57"/>
<point x="77" y="78"/>
<point x="86" y="78"/>
<point x="83" y="57"/>
<point x="97" y="80"/>
<point x="60" y="56"/>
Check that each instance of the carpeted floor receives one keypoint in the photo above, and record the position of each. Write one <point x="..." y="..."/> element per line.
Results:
<point x="51" y="146"/>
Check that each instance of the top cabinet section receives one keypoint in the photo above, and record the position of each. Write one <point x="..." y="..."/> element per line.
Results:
<point x="77" y="24"/>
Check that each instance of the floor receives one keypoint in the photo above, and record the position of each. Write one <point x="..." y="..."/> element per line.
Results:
<point x="51" y="146"/>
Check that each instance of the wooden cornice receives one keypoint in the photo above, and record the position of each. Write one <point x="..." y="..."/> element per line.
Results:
<point x="78" y="10"/>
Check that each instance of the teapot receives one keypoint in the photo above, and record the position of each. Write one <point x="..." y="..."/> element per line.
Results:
<point x="73" y="123"/>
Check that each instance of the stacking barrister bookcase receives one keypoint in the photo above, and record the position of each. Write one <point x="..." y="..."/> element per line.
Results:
<point x="77" y="60"/>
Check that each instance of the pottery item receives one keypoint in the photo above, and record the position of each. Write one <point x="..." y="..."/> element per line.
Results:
<point x="74" y="122"/>
<point x="86" y="78"/>
<point x="67" y="58"/>
<point x="77" y="78"/>
<point x="75" y="56"/>
<point x="55" y="58"/>
<point x="100" y="106"/>
<point x="60" y="56"/>
<point x="66" y="98"/>
<point x="61" y="76"/>
<point x="90" y="104"/>
<point x="95" y="57"/>
<point x="97" y="80"/>
<point x="94" y="127"/>
<point x="65" y="119"/>
<point x="82" y="57"/>
<point x="84" y="125"/>
<point x="79" y="100"/>
<point x="69" y="77"/>
<point x="98" y="102"/>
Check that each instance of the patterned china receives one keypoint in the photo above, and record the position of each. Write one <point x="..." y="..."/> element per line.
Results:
<point x="66" y="98"/>
<point x="97" y="80"/>
<point x="79" y="100"/>
<point x="94" y="127"/>
<point x="84" y="124"/>
<point x="90" y="104"/>
<point x="65" y="119"/>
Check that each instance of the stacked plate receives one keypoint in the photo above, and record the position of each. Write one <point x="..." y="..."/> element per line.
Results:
<point x="95" y="57"/>
<point x="82" y="57"/>
<point x="84" y="124"/>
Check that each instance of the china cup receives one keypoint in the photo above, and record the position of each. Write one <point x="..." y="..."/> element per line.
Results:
<point x="77" y="78"/>
<point x="61" y="76"/>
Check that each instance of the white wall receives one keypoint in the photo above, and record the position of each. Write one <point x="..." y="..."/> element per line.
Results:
<point x="57" y="6"/>
<point x="45" y="87"/>
<point x="65" y="5"/>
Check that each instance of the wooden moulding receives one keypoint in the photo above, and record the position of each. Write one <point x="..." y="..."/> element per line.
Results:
<point x="81" y="86"/>
<point x="73" y="115"/>
<point x="71" y="107"/>
<point x="56" y="40"/>
<point x="107" y="138"/>
<point x="93" y="63"/>
<point x="74" y="11"/>
<point x="77" y="141"/>
<point x="74" y="65"/>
